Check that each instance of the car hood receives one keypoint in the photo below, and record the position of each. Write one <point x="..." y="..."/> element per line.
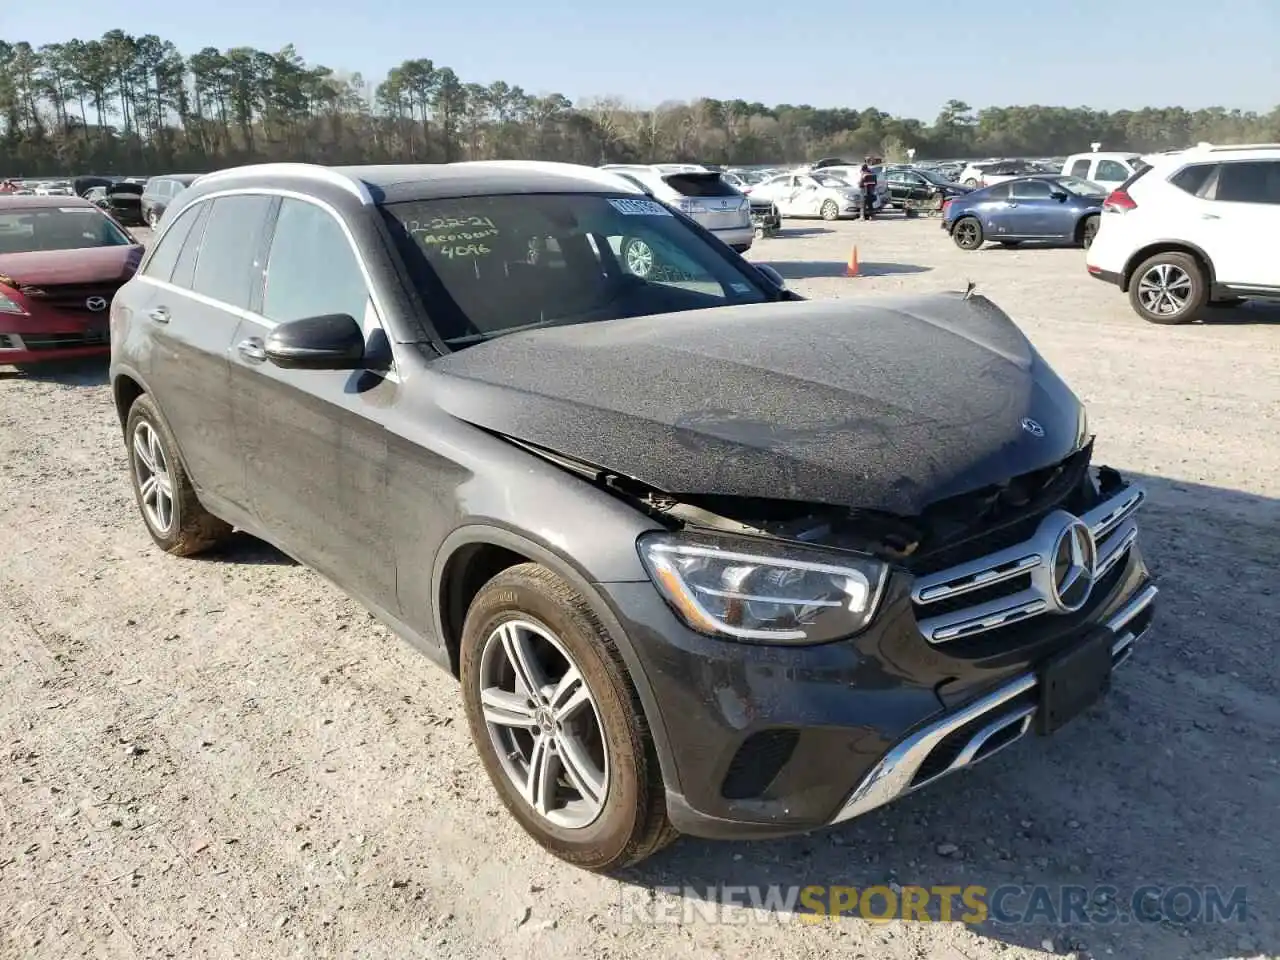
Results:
<point x="885" y="404"/>
<point x="89" y="265"/>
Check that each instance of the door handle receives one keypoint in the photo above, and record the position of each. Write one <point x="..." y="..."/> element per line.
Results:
<point x="1209" y="216"/>
<point x="160" y="315"/>
<point x="252" y="349"/>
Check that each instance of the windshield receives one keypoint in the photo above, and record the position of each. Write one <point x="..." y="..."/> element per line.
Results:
<point x="1081" y="188"/>
<point x="58" y="228"/>
<point x="489" y="266"/>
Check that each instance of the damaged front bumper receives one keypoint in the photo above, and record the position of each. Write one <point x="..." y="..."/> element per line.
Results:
<point x="774" y="740"/>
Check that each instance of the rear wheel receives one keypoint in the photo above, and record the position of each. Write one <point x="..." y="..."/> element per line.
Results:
<point x="830" y="210"/>
<point x="176" y="520"/>
<point x="967" y="233"/>
<point x="558" y="724"/>
<point x="1087" y="231"/>
<point x="1169" y="287"/>
<point x="153" y="218"/>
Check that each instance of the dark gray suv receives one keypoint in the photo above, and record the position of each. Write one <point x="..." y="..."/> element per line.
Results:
<point x="706" y="557"/>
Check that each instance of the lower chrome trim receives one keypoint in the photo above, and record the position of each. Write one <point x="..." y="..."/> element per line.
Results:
<point x="894" y="776"/>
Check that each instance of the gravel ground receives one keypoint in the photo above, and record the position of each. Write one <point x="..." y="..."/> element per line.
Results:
<point x="225" y="757"/>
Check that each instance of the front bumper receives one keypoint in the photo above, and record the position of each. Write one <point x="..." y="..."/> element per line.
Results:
<point x="773" y="740"/>
<point x="52" y="336"/>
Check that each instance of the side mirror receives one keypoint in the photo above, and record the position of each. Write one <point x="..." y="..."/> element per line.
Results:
<point x="774" y="276"/>
<point x="331" y="342"/>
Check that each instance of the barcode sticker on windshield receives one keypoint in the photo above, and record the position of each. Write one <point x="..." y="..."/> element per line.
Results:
<point x="640" y="208"/>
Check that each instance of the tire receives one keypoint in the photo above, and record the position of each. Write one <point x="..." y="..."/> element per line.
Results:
<point x="1087" y="230"/>
<point x="185" y="527"/>
<point x="830" y="210"/>
<point x="638" y="257"/>
<point x="153" y="218"/>
<point x="967" y="233"/>
<point x="1183" y="281"/>
<point x="631" y="822"/>
<point x="971" y="182"/>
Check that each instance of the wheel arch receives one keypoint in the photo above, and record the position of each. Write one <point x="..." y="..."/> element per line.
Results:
<point x="125" y="389"/>
<point x="1167" y="246"/>
<point x="472" y="555"/>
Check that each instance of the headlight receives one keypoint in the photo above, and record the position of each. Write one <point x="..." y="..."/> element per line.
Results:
<point x="8" y="305"/>
<point x="761" y="591"/>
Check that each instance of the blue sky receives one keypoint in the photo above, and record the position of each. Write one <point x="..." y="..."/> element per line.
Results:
<point x="1077" y="52"/>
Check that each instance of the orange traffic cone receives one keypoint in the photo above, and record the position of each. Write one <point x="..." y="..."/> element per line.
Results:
<point x="852" y="269"/>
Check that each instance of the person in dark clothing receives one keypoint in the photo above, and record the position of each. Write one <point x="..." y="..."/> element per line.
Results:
<point x="868" y="184"/>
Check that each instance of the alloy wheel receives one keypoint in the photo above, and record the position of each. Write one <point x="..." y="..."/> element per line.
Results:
<point x="544" y="724"/>
<point x="1164" y="290"/>
<point x="639" y="257"/>
<point x="966" y="233"/>
<point x="155" y="482"/>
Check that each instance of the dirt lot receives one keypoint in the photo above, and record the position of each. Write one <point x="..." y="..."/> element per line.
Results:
<point x="225" y="757"/>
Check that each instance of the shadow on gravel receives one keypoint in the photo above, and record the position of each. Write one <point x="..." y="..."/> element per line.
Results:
<point x="1154" y="806"/>
<point x="89" y="372"/>
<point x="1252" y="311"/>
<point x="803" y="232"/>
<point x="241" y="548"/>
<point x="809" y="269"/>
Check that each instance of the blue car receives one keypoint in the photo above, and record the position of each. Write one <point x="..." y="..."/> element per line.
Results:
<point x="1042" y="207"/>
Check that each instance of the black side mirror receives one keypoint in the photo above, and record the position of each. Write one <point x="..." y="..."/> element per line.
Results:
<point x="331" y="342"/>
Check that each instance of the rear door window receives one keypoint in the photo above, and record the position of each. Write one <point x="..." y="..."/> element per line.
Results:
<point x="999" y="192"/>
<point x="1250" y="181"/>
<point x="1111" y="171"/>
<point x="228" y="268"/>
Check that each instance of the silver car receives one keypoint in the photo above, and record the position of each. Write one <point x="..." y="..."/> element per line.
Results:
<point x="698" y="193"/>
<point x="816" y="194"/>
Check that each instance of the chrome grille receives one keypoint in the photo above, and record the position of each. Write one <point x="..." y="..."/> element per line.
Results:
<point x="1018" y="582"/>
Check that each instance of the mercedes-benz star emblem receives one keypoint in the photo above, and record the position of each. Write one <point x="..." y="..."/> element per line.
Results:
<point x="96" y="304"/>
<point x="1032" y="427"/>
<point x="1075" y="560"/>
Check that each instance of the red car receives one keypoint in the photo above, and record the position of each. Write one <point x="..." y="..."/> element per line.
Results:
<point x="61" y="261"/>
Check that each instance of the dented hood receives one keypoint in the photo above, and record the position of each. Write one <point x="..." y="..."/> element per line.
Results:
<point x="879" y="404"/>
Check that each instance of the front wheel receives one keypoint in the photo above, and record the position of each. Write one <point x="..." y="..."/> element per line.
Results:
<point x="558" y="723"/>
<point x="830" y="210"/>
<point x="1169" y="288"/>
<point x="967" y="233"/>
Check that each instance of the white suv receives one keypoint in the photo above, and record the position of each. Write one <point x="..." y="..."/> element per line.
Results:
<point x="1199" y="227"/>
<point x="698" y="193"/>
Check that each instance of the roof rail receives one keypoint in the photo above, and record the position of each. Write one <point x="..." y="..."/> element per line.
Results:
<point x="1222" y="148"/>
<point x="601" y="175"/>
<point x="311" y="171"/>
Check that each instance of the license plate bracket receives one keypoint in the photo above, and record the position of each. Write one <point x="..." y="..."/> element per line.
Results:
<point x="1073" y="680"/>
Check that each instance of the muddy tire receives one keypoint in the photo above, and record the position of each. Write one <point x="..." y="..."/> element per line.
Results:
<point x="585" y="785"/>
<point x="174" y="516"/>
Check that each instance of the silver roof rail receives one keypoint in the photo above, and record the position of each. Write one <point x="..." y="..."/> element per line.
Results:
<point x="310" y="171"/>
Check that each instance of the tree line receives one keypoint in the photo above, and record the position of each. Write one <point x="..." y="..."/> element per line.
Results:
<point x="137" y="105"/>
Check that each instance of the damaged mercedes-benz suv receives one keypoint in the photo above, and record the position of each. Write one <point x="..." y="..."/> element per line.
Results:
<point x="705" y="556"/>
